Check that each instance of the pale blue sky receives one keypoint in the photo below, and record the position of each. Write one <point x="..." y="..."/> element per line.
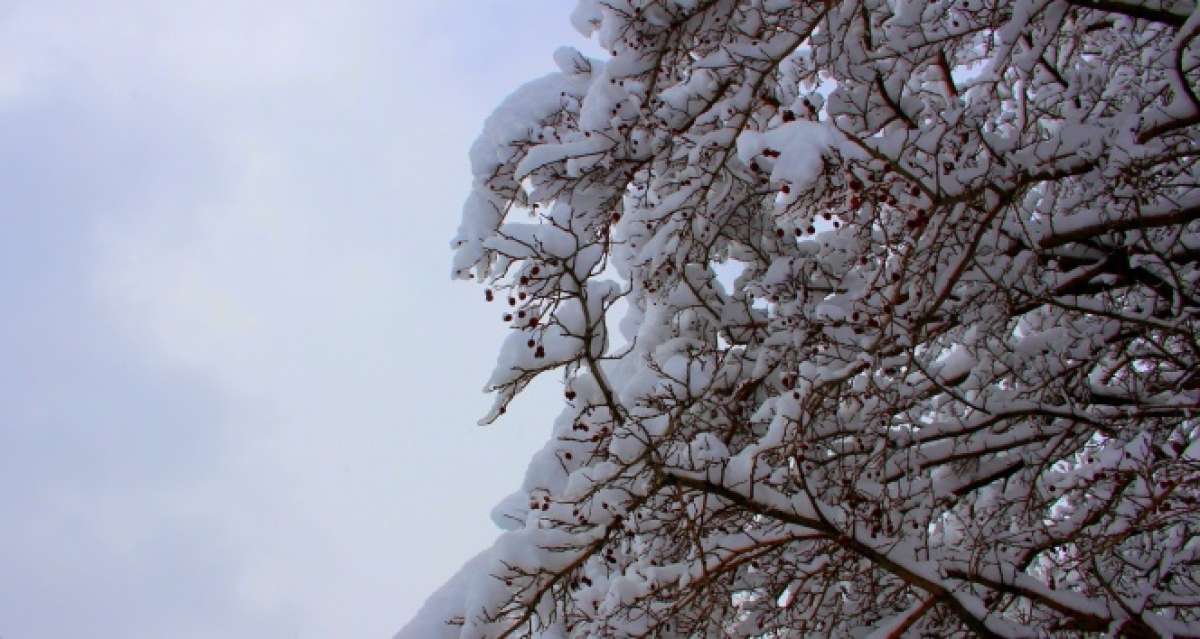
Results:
<point x="239" y="390"/>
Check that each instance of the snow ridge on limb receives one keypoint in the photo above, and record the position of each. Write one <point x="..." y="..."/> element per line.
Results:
<point x="910" y="294"/>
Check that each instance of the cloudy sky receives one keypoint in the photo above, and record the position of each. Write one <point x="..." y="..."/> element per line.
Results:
<point x="238" y="389"/>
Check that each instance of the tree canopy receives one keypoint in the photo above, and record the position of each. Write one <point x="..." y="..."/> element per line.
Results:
<point x="872" y="317"/>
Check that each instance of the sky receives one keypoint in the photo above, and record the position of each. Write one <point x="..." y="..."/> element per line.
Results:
<point x="239" y="390"/>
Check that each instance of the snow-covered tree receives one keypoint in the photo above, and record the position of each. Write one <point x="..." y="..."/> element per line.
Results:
<point x="871" y="316"/>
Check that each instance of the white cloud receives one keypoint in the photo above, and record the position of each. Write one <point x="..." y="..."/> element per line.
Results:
<point x="285" y="242"/>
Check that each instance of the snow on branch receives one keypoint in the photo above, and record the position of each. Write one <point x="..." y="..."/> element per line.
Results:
<point x="909" y="294"/>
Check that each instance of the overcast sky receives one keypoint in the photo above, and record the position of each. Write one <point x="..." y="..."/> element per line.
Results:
<point x="238" y="389"/>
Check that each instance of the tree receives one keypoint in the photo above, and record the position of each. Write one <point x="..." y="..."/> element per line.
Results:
<point x="909" y="338"/>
